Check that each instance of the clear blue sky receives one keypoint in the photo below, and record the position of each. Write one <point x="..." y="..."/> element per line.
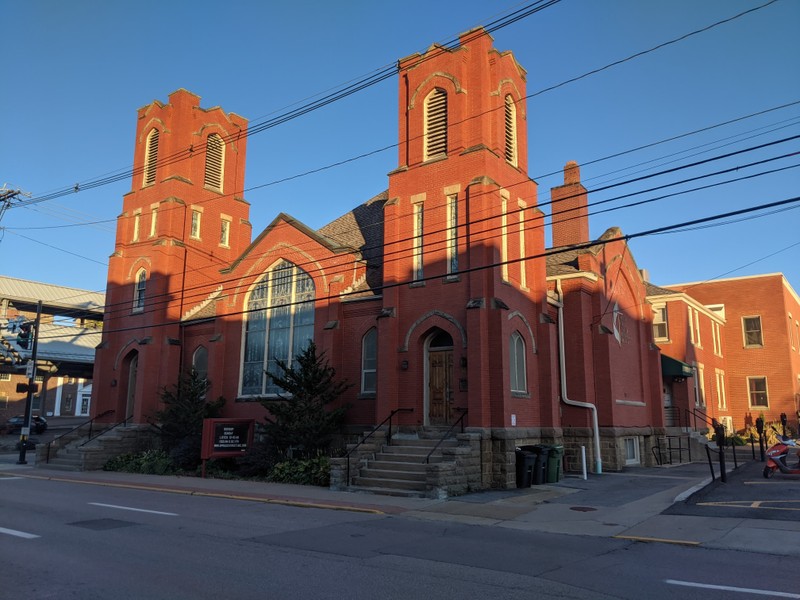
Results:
<point x="74" y="74"/>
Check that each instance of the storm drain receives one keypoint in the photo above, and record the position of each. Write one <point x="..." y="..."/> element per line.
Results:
<point x="102" y="524"/>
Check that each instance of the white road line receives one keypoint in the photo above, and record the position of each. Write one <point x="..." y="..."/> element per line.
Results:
<point x="154" y="512"/>
<point x="15" y="533"/>
<point x="729" y="588"/>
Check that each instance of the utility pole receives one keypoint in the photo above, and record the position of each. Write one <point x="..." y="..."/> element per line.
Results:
<point x="31" y="372"/>
<point x="6" y="196"/>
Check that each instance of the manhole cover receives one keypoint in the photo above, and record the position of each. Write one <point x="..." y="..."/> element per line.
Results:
<point x="582" y="508"/>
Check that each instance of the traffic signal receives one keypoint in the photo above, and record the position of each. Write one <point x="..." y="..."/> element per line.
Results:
<point x="24" y="335"/>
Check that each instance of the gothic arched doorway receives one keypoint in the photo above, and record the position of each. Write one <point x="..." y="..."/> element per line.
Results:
<point x="439" y="375"/>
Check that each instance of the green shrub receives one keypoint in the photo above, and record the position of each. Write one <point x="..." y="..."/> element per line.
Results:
<point x="149" y="462"/>
<point x="307" y="471"/>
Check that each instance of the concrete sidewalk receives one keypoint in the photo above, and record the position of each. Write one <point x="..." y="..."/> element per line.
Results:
<point x="629" y="505"/>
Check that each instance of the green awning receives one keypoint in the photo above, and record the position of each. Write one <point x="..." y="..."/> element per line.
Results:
<point x="671" y="367"/>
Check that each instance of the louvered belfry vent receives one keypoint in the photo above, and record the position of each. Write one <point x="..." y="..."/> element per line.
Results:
<point x="151" y="158"/>
<point x="436" y="124"/>
<point x="214" y="161"/>
<point x="511" y="131"/>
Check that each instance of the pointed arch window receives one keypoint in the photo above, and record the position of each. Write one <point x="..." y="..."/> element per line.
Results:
<point x="279" y="325"/>
<point x="511" y="131"/>
<point x="151" y="158"/>
<point x="517" y="367"/>
<point x="369" y="361"/>
<point x="139" y="291"/>
<point x="215" y="162"/>
<point x="436" y="124"/>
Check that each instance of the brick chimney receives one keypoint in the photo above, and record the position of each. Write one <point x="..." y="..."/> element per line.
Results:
<point x="570" y="209"/>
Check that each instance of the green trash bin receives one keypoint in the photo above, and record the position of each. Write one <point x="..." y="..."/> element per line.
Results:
<point x="554" y="459"/>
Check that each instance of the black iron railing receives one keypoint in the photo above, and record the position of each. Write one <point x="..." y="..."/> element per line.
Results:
<point x="460" y="420"/>
<point x="369" y="435"/>
<point x="90" y="423"/>
<point x="105" y="431"/>
<point x="672" y="445"/>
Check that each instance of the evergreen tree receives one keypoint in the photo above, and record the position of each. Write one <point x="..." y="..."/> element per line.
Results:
<point x="181" y="419"/>
<point x="299" y="419"/>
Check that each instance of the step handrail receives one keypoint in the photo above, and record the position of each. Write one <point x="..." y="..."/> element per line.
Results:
<point x="90" y="423"/>
<point x="105" y="431"/>
<point x="374" y="429"/>
<point x="447" y="433"/>
<point x="697" y="413"/>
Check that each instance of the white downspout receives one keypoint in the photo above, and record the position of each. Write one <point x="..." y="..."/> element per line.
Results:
<point x="598" y="461"/>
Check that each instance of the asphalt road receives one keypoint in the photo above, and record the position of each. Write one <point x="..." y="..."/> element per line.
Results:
<point x="747" y="495"/>
<point x="66" y="540"/>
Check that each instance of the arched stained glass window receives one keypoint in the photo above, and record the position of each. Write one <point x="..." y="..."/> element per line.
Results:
<point x="278" y="325"/>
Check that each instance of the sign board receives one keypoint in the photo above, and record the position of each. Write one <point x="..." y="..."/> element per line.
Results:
<point x="29" y="369"/>
<point x="226" y="437"/>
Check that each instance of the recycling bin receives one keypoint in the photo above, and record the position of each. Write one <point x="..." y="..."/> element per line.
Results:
<point x="526" y="461"/>
<point x="554" y="464"/>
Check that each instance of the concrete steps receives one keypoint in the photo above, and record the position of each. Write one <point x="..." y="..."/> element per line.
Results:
<point x="400" y="469"/>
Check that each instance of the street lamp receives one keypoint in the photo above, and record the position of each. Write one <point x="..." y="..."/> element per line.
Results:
<point x="30" y="371"/>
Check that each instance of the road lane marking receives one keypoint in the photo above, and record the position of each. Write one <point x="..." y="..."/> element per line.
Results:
<point x="153" y="512"/>
<point x="762" y="504"/>
<point x="728" y="588"/>
<point x="15" y="533"/>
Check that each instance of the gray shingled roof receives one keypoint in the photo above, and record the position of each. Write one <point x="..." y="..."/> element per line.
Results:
<point x="362" y="230"/>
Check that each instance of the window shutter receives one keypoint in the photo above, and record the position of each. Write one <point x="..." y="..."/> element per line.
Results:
<point x="214" y="155"/>
<point x="151" y="158"/>
<point x="436" y="124"/>
<point x="511" y="131"/>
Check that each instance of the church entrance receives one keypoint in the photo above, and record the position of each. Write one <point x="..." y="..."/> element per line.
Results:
<point x="440" y="378"/>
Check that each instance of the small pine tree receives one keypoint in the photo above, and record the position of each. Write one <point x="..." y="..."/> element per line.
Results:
<point x="181" y="419"/>
<point x="299" y="418"/>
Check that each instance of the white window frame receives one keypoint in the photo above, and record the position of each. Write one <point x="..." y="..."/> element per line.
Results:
<point x="694" y="327"/>
<point x="369" y="363"/>
<point x="660" y="317"/>
<point x="5" y="376"/>
<point x="137" y="218"/>
<point x="504" y="235"/>
<point x="153" y="220"/>
<point x="518" y="367"/>
<point x="701" y="385"/>
<point x="760" y="344"/>
<point x="631" y="444"/>
<point x="139" y="290"/>
<point x="194" y="230"/>
<point x="523" y="265"/>
<point x="418" y="214"/>
<point x="722" y="399"/>
<point x="750" y="392"/>
<point x="225" y="232"/>
<point x="717" y="336"/>
<point x="452" y="234"/>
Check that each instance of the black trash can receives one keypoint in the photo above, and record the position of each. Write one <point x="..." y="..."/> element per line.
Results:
<point x="526" y="461"/>
<point x="540" y="451"/>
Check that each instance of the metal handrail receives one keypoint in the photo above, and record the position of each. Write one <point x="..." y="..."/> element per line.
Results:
<point x="105" y="431"/>
<point x="447" y="433"/>
<point x="90" y="423"/>
<point x="374" y="429"/>
<point x="696" y="412"/>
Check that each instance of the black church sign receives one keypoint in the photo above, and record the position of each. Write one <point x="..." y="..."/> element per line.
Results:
<point x="223" y="438"/>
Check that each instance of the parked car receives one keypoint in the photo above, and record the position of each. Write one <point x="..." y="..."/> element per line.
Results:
<point x="38" y="424"/>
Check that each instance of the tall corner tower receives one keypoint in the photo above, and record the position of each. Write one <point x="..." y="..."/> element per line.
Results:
<point x="182" y="222"/>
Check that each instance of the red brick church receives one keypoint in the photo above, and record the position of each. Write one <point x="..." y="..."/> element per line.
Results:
<point x="436" y="295"/>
